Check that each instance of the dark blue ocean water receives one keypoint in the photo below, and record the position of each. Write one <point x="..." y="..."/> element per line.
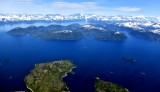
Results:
<point x="93" y="58"/>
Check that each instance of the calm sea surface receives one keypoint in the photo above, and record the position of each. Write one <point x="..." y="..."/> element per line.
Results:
<point x="93" y="58"/>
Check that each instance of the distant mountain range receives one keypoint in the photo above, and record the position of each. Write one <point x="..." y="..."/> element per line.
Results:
<point x="58" y="17"/>
<point x="141" y="23"/>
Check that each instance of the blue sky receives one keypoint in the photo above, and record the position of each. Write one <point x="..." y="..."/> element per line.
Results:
<point x="100" y="7"/>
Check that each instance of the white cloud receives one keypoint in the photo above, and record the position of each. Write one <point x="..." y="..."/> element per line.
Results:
<point x="92" y="6"/>
<point x="79" y="6"/>
<point x="30" y="6"/>
<point x="15" y="1"/>
<point x="127" y="9"/>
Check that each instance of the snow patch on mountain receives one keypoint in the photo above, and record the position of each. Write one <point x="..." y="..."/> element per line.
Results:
<point x="56" y="17"/>
<point x="157" y="31"/>
<point x="135" y="22"/>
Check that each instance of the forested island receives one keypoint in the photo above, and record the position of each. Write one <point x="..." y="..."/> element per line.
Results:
<point x="70" y="32"/>
<point x="47" y="77"/>
<point x="104" y="86"/>
<point x="148" y="35"/>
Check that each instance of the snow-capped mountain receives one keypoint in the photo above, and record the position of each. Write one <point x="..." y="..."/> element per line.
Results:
<point x="52" y="17"/>
<point x="134" y="22"/>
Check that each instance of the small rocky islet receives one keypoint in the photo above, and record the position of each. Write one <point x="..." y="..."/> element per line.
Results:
<point x="129" y="59"/>
<point x="48" y="77"/>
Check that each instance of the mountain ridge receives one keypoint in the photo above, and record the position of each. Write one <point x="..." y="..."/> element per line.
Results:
<point x="59" y="17"/>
